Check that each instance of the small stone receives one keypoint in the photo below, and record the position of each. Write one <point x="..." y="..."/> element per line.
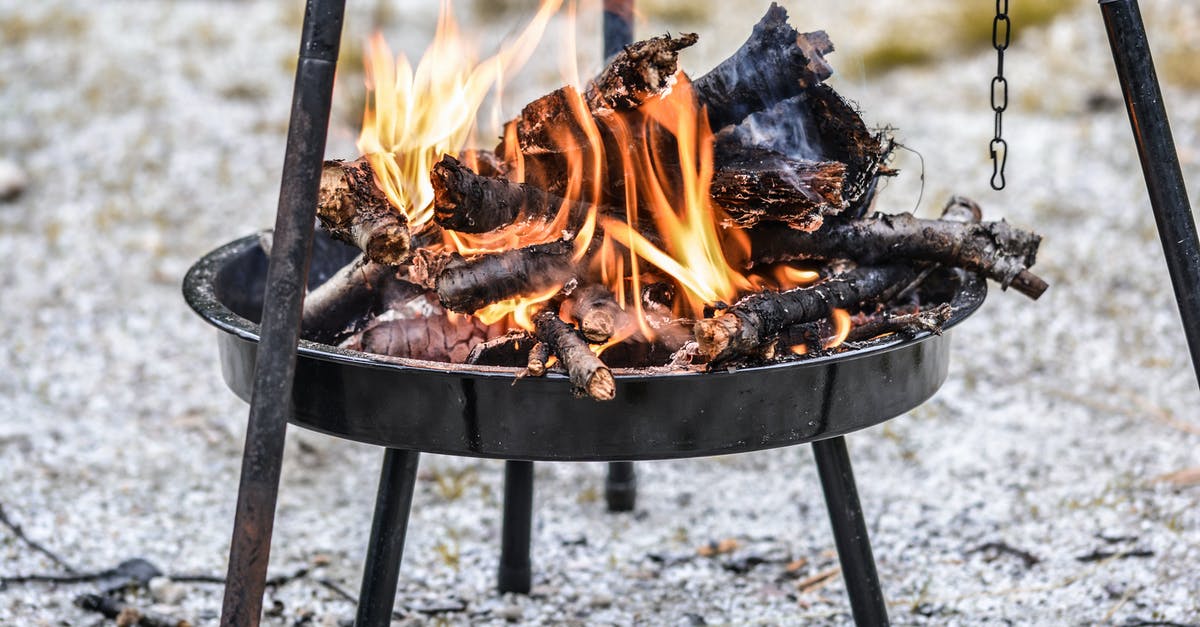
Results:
<point x="509" y="612"/>
<point x="600" y="599"/>
<point x="12" y="180"/>
<point x="165" y="591"/>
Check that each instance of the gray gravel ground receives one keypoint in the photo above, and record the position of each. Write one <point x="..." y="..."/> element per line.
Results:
<point x="150" y="133"/>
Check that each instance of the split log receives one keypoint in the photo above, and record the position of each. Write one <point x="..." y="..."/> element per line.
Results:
<point x="754" y="322"/>
<point x="596" y="312"/>
<point x="353" y="209"/>
<point x="774" y="64"/>
<point x="844" y="137"/>
<point x="758" y="185"/>
<point x="537" y="360"/>
<point x="510" y="349"/>
<point x="351" y="293"/>
<point x="589" y="376"/>
<point x="995" y="249"/>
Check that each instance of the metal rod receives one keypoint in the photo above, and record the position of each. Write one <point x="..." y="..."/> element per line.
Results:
<point x="850" y="532"/>
<point x="516" y="572"/>
<point x="381" y="571"/>
<point x="618" y="25"/>
<point x="1160" y="162"/>
<point x="270" y="405"/>
<point x="620" y="487"/>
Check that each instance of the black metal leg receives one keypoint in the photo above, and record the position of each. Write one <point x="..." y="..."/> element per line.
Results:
<point x="850" y="532"/>
<point x="620" y="488"/>
<point x="393" y="501"/>
<point x="515" y="570"/>
<point x="270" y="403"/>
<point x="1160" y="163"/>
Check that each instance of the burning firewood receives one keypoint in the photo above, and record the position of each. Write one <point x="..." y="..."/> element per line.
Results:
<point x="467" y="285"/>
<point x="353" y="209"/>
<point x="537" y="360"/>
<point x="774" y="64"/>
<point x="998" y="250"/>
<point x="596" y="312"/>
<point x="471" y="203"/>
<point x="589" y="376"/>
<point x="753" y="322"/>
<point x="509" y="349"/>
<point x="930" y="319"/>
<point x="416" y="326"/>
<point x="349" y="293"/>
<point x="758" y="185"/>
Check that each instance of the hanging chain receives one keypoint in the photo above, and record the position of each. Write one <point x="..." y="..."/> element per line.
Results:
<point x="998" y="148"/>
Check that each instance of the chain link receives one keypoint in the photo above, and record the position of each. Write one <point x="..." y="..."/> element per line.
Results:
<point x="998" y="148"/>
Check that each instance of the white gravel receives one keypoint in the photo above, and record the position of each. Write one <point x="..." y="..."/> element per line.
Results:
<point x="150" y="133"/>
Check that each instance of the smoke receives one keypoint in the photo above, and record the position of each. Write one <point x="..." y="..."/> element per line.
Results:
<point x="784" y="127"/>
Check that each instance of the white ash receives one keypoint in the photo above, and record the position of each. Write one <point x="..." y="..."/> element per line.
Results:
<point x="152" y="132"/>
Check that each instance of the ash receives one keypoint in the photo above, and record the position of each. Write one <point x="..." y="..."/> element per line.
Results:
<point x="144" y="134"/>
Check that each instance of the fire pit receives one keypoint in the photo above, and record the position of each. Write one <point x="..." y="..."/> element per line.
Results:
<point x="484" y="411"/>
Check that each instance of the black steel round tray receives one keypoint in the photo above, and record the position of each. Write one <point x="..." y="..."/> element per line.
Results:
<point x="487" y="412"/>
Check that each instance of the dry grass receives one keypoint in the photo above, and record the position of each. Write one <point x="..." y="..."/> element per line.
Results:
<point x="962" y="27"/>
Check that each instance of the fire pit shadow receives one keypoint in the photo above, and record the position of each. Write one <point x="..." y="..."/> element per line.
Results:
<point x="488" y="412"/>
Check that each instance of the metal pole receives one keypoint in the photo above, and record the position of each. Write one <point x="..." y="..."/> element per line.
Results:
<point x="850" y="532"/>
<point x="618" y="25"/>
<point x="381" y="572"/>
<point x="270" y="404"/>
<point x="516" y="572"/>
<point x="1160" y="163"/>
<point x="620" y="488"/>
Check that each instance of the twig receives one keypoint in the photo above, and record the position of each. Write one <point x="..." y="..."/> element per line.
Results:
<point x="33" y="544"/>
<point x="1028" y="558"/>
<point x="1099" y="555"/>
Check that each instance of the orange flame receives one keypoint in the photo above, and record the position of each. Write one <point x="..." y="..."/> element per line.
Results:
<point x="413" y="117"/>
<point x="841" y="328"/>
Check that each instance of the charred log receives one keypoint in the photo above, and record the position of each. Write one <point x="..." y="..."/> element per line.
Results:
<point x="418" y="328"/>
<point x="510" y="350"/>
<point x="471" y="203"/>
<point x="757" y="185"/>
<point x="350" y="294"/>
<point x="536" y="361"/>
<point x="995" y="249"/>
<point x="641" y="70"/>
<point x="589" y="376"/>
<point x="930" y="319"/>
<point x="353" y="209"/>
<point x="774" y="64"/>
<point x="596" y="312"/>
<point x="754" y="322"/>
<point x="467" y="285"/>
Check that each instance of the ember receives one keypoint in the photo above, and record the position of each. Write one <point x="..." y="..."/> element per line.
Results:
<point x="643" y="219"/>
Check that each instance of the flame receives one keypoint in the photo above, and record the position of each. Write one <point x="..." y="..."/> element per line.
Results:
<point x="414" y="116"/>
<point x="841" y="328"/>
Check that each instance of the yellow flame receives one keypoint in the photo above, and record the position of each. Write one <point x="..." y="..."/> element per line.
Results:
<point x="414" y="116"/>
<point x="841" y="328"/>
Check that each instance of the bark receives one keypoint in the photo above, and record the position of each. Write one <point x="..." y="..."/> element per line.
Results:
<point x="353" y="209"/>
<point x="466" y="285"/>
<point x="774" y="64"/>
<point x="758" y="185"/>
<point x="995" y="249"/>
<point x="471" y="203"/>
<point x="589" y="376"/>
<point x="419" y="328"/>
<point x="353" y="292"/>
<point x="535" y="362"/>
<point x="596" y="312"/>
<point x="753" y="323"/>
<point x="844" y="136"/>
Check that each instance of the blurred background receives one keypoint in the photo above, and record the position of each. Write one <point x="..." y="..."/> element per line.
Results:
<point x="136" y="136"/>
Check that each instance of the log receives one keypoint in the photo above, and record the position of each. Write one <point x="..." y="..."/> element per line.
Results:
<point x="471" y="203"/>
<point x="467" y="285"/>
<point x="536" y="361"/>
<point x="349" y="294"/>
<point x="589" y="376"/>
<point x="774" y="64"/>
<point x="756" y="185"/>
<point x="751" y="324"/>
<point x="995" y="249"/>
<point x="418" y="328"/>
<point x="930" y="319"/>
<point x="353" y="209"/>
<point x="595" y="311"/>
<point x="510" y="349"/>
<point x="844" y="136"/>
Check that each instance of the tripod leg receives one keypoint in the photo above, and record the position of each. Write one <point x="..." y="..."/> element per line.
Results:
<point x="850" y="532"/>
<point x="393" y="501"/>
<point x="515" y="570"/>
<point x="620" y="487"/>
<point x="1160" y="163"/>
<point x="270" y="403"/>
